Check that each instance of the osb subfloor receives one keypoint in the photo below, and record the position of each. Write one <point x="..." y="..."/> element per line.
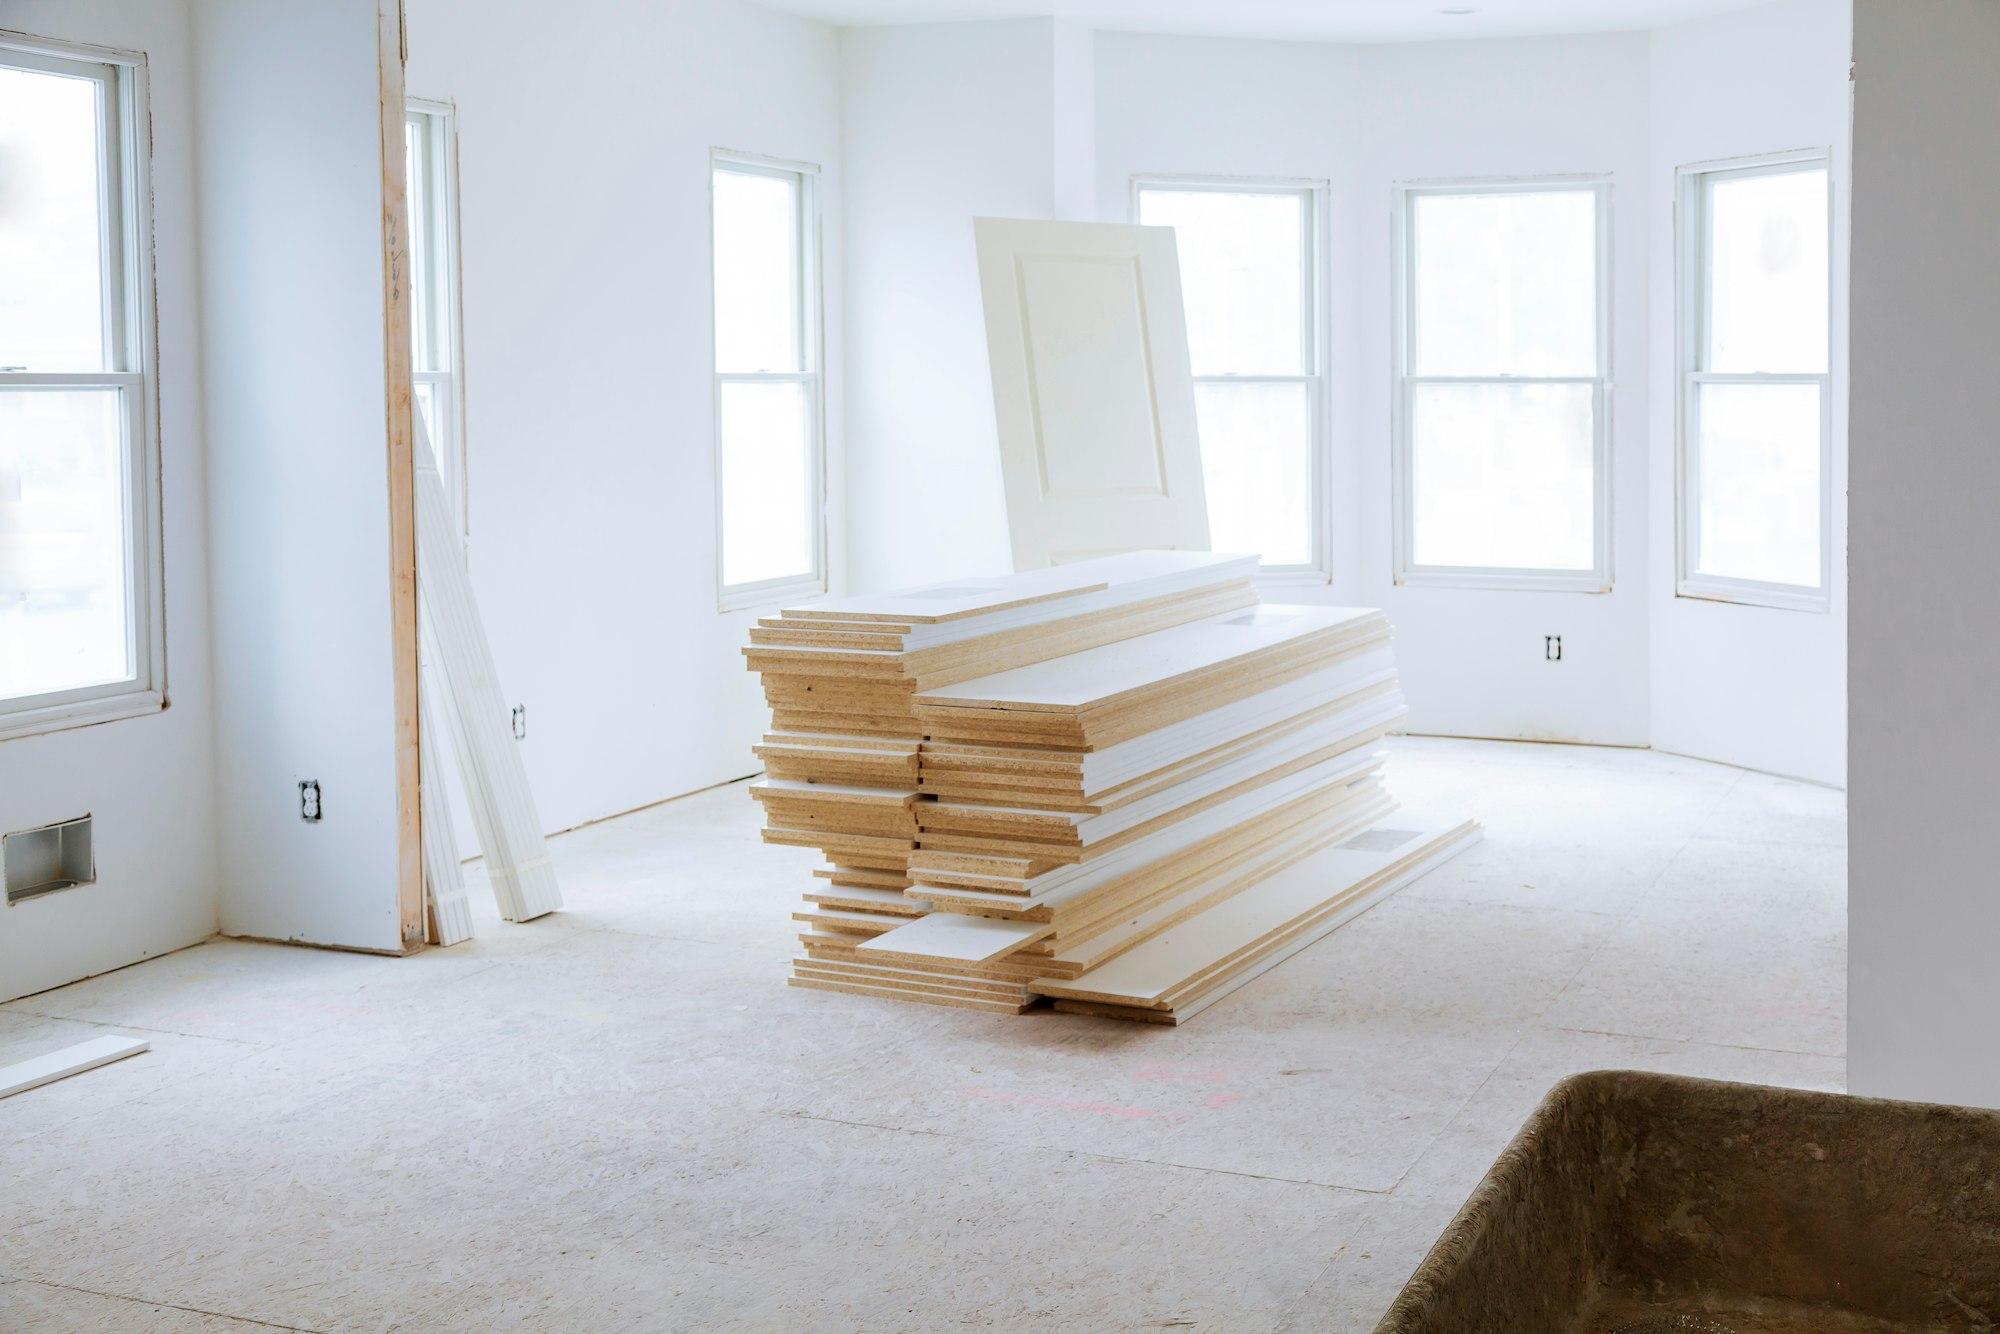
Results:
<point x="621" y="1117"/>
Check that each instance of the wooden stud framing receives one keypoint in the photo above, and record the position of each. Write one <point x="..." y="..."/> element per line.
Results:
<point x="397" y="372"/>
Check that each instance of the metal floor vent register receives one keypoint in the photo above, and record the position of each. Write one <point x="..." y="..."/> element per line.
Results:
<point x="42" y="861"/>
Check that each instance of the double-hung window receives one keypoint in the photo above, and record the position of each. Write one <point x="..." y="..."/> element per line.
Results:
<point x="1755" y="495"/>
<point x="81" y="638"/>
<point x="430" y="157"/>
<point x="769" y="453"/>
<point x="1249" y="257"/>
<point x="1501" y="464"/>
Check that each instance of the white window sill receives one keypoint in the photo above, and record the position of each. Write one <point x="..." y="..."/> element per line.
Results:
<point x="33" y="721"/>
<point x="1748" y="593"/>
<point x="1295" y="576"/>
<point x="1519" y="581"/>
<point x="750" y="597"/>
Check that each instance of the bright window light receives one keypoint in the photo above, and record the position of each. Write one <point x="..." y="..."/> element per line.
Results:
<point x="1754" y="413"/>
<point x="1248" y="278"/>
<point x="767" y="391"/>
<point x="64" y="603"/>
<point x="1766" y="278"/>
<point x="1501" y="440"/>
<point x="78" y="610"/>
<point x="430" y="157"/>
<point x="1484" y="455"/>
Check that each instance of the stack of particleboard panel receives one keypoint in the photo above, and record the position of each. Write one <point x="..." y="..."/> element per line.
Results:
<point x="841" y="759"/>
<point x="1076" y="808"/>
<point x="1179" y="972"/>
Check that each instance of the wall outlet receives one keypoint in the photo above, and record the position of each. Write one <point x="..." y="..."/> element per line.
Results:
<point x="309" y="807"/>
<point x="520" y="722"/>
<point x="1552" y="648"/>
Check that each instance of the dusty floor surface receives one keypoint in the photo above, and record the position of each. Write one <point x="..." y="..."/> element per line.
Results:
<point x="621" y="1118"/>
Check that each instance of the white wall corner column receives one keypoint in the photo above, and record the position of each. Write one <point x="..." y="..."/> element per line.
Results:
<point x="1924" y="892"/>
<point x="310" y="650"/>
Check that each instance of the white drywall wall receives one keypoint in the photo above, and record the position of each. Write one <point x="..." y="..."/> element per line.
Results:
<point x="148" y="781"/>
<point x="1220" y="107"/>
<point x="1362" y="119"/>
<point x="940" y="123"/>
<point x="1923" y="715"/>
<point x="1747" y="685"/>
<point x="1073" y="90"/>
<point x="291" y="242"/>
<point x="584" y="221"/>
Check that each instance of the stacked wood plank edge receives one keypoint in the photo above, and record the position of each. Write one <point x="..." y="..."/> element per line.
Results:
<point x="1123" y="785"/>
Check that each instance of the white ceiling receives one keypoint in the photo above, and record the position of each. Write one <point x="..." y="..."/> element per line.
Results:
<point x="1298" y="20"/>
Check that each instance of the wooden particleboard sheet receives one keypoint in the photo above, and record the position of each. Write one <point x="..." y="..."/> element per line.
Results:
<point x="920" y="995"/>
<point x="959" y="598"/>
<point x="1003" y="874"/>
<point x="1194" y="1000"/>
<point x="1102" y="676"/>
<point x="1201" y="949"/>
<point x="956" y="936"/>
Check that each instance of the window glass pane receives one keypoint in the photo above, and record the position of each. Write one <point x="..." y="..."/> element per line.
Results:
<point x="52" y="230"/>
<point x="767" y="481"/>
<point x="1256" y="462"/>
<point x="423" y="260"/>
<point x="1767" y="272"/>
<point x="63" y="594"/>
<point x="757" y="278"/>
<point x="1505" y="283"/>
<point x="1242" y="277"/>
<point x="1502" y="476"/>
<point x="1759" y="482"/>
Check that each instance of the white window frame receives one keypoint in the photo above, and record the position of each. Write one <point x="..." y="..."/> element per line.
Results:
<point x="438" y="122"/>
<point x="1691" y="327"/>
<point x="127" y="283"/>
<point x="1597" y="579"/>
<point x="1313" y="340"/>
<point x="812" y="341"/>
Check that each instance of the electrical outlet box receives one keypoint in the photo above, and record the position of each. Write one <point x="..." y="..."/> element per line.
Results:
<point x="42" y="861"/>
<point x="309" y="804"/>
<point x="520" y="722"/>
<point x="1552" y="648"/>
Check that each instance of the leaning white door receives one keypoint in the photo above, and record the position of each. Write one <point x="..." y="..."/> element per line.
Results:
<point x="1088" y="345"/>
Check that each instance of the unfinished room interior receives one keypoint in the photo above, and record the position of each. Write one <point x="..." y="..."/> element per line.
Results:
<point x="1011" y="664"/>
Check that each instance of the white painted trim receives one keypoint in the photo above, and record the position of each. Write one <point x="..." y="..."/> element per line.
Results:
<point x="1315" y="341"/>
<point x="1405" y="571"/>
<point x="1690" y="342"/>
<point x="518" y="866"/>
<point x="66" y="1061"/>
<point x="812" y="336"/>
<point x="77" y="708"/>
<point x="130" y="309"/>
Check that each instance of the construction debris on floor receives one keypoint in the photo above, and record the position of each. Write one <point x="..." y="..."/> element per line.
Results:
<point x="1122" y="784"/>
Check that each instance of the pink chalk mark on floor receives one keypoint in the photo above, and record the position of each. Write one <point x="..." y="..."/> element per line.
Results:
<point x="1091" y="1106"/>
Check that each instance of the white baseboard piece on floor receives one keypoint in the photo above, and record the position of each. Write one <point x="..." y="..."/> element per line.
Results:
<point x="40" y="1070"/>
<point x="450" y="916"/>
